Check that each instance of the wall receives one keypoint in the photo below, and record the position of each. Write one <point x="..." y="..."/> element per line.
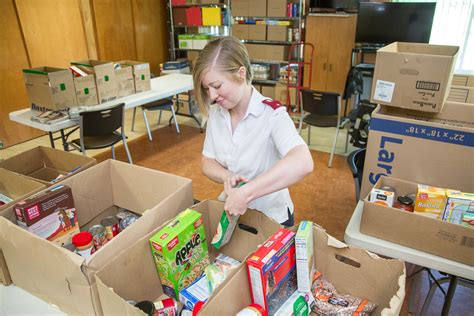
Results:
<point x="55" y="32"/>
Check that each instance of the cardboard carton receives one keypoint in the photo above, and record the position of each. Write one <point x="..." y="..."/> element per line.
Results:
<point x="463" y="80"/>
<point x="50" y="88"/>
<point x="141" y="74"/>
<point x="277" y="33"/>
<point x="413" y="76"/>
<point x="138" y="278"/>
<point x="352" y="270"/>
<point x="104" y="77"/>
<point x="258" y="8"/>
<point x="444" y="239"/>
<point x="421" y="147"/>
<point x="241" y="31"/>
<point x="44" y="164"/>
<point x="86" y="90"/>
<point x="125" y="80"/>
<point x="257" y="32"/>
<point x="240" y="8"/>
<point x="281" y="94"/>
<point x="276" y="52"/>
<point x="276" y="8"/>
<point x="268" y="91"/>
<point x="461" y="94"/>
<point x="256" y="51"/>
<point x="65" y="279"/>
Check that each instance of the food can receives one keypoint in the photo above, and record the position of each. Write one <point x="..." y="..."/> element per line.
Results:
<point x="111" y="225"/>
<point x="127" y="221"/>
<point x="166" y="307"/>
<point x="99" y="235"/>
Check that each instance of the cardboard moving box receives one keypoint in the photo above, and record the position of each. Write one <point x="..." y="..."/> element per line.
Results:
<point x="422" y="147"/>
<point x="104" y="77"/>
<point x="352" y="270"/>
<point x="65" y="279"/>
<point x="138" y="277"/>
<point x="463" y="80"/>
<point x="141" y="74"/>
<point x="50" y="88"/>
<point x="413" y="76"/>
<point x="44" y="164"/>
<point x="444" y="239"/>
<point x="461" y="94"/>
<point x="125" y="80"/>
<point x="86" y="90"/>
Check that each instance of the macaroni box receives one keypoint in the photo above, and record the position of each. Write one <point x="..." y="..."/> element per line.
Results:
<point x="459" y="208"/>
<point x="180" y="252"/>
<point x="272" y="271"/>
<point x="430" y="201"/>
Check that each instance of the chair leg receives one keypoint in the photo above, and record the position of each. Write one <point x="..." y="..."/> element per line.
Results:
<point x="147" y="126"/>
<point x="347" y="140"/>
<point x="127" y="150"/>
<point x="133" y="118"/>
<point x="309" y="134"/>
<point x="333" y="148"/>
<point x="159" y="117"/>
<point x="175" y="120"/>
<point x="113" y="152"/>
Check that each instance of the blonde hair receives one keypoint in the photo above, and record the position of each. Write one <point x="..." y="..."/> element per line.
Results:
<point x="229" y="55"/>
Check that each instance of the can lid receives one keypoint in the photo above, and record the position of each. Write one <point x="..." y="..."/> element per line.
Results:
<point x="82" y="239"/>
<point x="405" y="200"/>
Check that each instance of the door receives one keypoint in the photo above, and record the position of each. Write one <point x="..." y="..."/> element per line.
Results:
<point x="317" y="33"/>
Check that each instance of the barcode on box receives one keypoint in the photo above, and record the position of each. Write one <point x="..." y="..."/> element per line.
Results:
<point x="467" y="242"/>
<point x="426" y="85"/>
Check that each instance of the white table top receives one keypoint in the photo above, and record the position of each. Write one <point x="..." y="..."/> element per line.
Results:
<point x="354" y="237"/>
<point x="161" y="87"/>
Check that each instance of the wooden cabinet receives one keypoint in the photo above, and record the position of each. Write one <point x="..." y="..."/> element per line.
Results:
<point x="333" y="38"/>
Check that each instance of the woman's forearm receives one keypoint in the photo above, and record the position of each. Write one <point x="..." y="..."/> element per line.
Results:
<point x="213" y="170"/>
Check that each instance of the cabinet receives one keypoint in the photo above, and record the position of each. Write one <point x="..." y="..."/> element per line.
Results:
<point x="333" y="37"/>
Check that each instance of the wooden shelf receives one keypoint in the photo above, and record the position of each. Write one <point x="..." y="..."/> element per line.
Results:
<point x="267" y="61"/>
<point x="265" y="81"/>
<point x="220" y="5"/>
<point x="277" y="18"/>
<point x="267" y="42"/>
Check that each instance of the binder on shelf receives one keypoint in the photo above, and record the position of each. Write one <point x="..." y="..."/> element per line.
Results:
<point x="211" y="16"/>
<point x="194" y="16"/>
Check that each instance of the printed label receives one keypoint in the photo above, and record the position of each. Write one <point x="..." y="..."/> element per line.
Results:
<point x="384" y="90"/>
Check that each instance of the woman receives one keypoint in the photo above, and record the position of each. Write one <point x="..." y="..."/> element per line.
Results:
<point x="249" y="138"/>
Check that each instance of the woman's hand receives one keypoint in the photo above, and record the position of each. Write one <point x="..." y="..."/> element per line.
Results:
<point x="236" y="202"/>
<point x="230" y="180"/>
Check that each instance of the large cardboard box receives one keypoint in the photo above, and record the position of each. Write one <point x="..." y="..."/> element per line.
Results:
<point x="44" y="164"/>
<point x="413" y="76"/>
<point x="258" y="8"/>
<point x="125" y="80"/>
<point x="269" y="92"/>
<point x="104" y="77"/>
<point x="241" y="31"/>
<point x="422" y="147"/>
<point x="141" y="74"/>
<point x="463" y="80"/>
<point x="65" y="279"/>
<point x="352" y="270"/>
<point x="281" y="94"/>
<point x="86" y="90"/>
<point x="444" y="239"/>
<point x="138" y="277"/>
<point x="276" y="8"/>
<point x="276" y="52"/>
<point x="463" y="94"/>
<point x="50" y="88"/>
<point x="277" y="33"/>
<point x="257" y="32"/>
<point x="256" y="51"/>
<point x="240" y="8"/>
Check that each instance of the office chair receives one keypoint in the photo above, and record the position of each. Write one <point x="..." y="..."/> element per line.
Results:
<point x="323" y="109"/>
<point x="356" y="160"/>
<point x="159" y="105"/>
<point x="98" y="129"/>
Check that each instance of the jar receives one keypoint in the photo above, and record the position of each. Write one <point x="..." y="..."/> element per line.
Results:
<point x="99" y="235"/>
<point x="84" y="244"/>
<point x="404" y="203"/>
<point x="111" y="225"/>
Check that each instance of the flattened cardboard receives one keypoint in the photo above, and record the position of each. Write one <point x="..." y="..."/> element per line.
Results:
<point x="141" y="74"/>
<point x="104" y="78"/>
<point x="421" y="147"/>
<point x="63" y="278"/>
<point x="139" y="279"/>
<point x="444" y="239"/>
<point x="413" y="76"/>
<point x="381" y="281"/>
<point x="86" y="90"/>
<point x="44" y="164"/>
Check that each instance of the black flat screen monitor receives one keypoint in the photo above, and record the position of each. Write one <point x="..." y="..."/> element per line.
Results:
<point x="385" y="23"/>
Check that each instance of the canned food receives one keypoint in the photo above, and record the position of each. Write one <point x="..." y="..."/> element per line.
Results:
<point x="99" y="235"/>
<point x="166" y="307"/>
<point x="111" y="225"/>
<point x="122" y="214"/>
<point x="127" y="221"/>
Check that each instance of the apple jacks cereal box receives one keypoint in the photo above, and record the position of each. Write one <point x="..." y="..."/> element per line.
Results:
<point x="180" y="252"/>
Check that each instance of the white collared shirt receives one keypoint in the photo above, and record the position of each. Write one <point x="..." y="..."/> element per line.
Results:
<point x="261" y="138"/>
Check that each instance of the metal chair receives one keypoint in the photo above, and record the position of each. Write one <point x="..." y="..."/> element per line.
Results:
<point x="356" y="160"/>
<point x="159" y="105"/>
<point x="323" y="109"/>
<point x="98" y="129"/>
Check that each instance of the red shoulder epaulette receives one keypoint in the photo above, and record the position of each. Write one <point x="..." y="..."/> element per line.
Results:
<point x="273" y="103"/>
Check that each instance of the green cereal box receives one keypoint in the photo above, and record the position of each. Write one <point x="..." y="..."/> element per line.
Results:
<point x="180" y="252"/>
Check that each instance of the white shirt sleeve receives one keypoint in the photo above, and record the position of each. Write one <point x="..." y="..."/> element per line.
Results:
<point x="208" y="149"/>
<point x="283" y="132"/>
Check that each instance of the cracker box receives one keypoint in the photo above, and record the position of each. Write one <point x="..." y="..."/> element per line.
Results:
<point x="50" y="214"/>
<point x="304" y="255"/>
<point x="459" y="208"/>
<point x="272" y="271"/>
<point x="430" y="201"/>
<point x="198" y="291"/>
<point x="382" y="197"/>
<point x="180" y="252"/>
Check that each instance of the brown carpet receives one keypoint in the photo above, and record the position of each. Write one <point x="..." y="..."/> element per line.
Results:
<point x="325" y="197"/>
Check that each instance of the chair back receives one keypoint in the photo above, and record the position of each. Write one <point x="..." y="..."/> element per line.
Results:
<point x="320" y="103"/>
<point x="102" y="122"/>
<point x="356" y="160"/>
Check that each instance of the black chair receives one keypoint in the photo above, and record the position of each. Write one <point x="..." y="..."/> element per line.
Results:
<point x="356" y="160"/>
<point x="159" y="105"/>
<point x="321" y="109"/>
<point x="98" y="129"/>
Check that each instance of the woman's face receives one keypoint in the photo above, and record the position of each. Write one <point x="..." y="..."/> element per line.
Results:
<point x="224" y="89"/>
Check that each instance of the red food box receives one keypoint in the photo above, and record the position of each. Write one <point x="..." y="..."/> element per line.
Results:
<point x="194" y="16"/>
<point x="272" y="271"/>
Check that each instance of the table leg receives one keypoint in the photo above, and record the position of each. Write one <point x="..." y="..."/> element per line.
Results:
<point x="450" y="295"/>
<point x="64" y="140"/>
<point x="51" y="139"/>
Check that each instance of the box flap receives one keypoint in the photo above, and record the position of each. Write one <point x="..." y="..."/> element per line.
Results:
<point x="16" y="186"/>
<point x="24" y="163"/>
<point x="420" y="48"/>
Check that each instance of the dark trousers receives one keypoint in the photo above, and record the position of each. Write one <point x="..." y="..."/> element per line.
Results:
<point x="290" y="221"/>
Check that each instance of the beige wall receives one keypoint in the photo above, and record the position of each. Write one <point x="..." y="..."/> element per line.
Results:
<point x="54" y="32"/>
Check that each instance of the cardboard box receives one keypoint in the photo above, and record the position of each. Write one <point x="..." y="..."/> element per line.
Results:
<point x="444" y="239"/>
<point x="185" y="41"/>
<point x="276" y="8"/>
<point x="17" y="187"/>
<point x="104" y="77"/>
<point x="257" y="32"/>
<point x="413" y="76"/>
<point x="258" y="8"/>
<point x="44" y="164"/>
<point x="86" y="90"/>
<point x="421" y="147"/>
<point x="65" y="279"/>
<point x="268" y="91"/>
<point x="193" y="16"/>
<point x="240" y="7"/>
<point x="141" y="75"/>
<point x="256" y="51"/>
<point x="276" y="52"/>
<point x="349" y="269"/>
<point x="277" y="33"/>
<point x="461" y="94"/>
<point x="50" y="88"/>
<point x="463" y="80"/>
<point x="138" y="278"/>
<point x="5" y="277"/>
<point x="179" y="16"/>
<point x="192" y="56"/>
<point x="281" y="94"/>
<point x="241" y="31"/>
<point x="125" y="80"/>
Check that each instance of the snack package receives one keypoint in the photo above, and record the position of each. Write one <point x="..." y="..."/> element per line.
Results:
<point x="4" y="199"/>
<point x="329" y="302"/>
<point x="198" y="291"/>
<point x="304" y="255"/>
<point x="430" y="201"/>
<point x="217" y="271"/>
<point x="299" y="304"/>
<point x="458" y="207"/>
<point x="180" y="252"/>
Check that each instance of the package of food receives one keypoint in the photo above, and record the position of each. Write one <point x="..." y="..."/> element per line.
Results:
<point x="272" y="271"/>
<point x="304" y="255"/>
<point x="430" y="201"/>
<point x="457" y="205"/>
<point x="4" y="199"/>
<point x="218" y="270"/>
<point x="180" y="252"/>
<point x="329" y="302"/>
<point x="198" y="291"/>
<point x="298" y="304"/>
<point x="382" y="197"/>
